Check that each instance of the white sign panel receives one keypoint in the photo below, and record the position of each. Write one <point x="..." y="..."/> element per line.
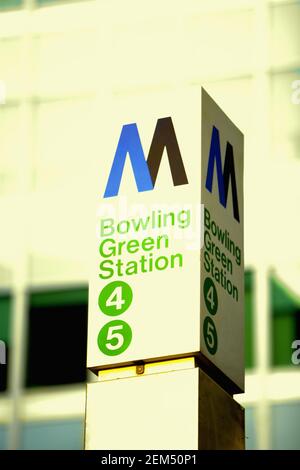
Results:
<point x="167" y="274"/>
<point x="156" y="411"/>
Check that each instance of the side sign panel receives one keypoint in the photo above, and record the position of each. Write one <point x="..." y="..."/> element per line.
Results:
<point x="222" y="260"/>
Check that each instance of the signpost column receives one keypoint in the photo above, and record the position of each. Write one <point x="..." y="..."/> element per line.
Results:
<point x="166" y="291"/>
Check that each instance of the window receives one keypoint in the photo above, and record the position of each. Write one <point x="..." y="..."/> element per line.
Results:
<point x="286" y="426"/>
<point x="5" y="305"/>
<point x="285" y="114"/>
<point x="64" y="64"/>
<point x="64" y="142"/>
<point x="249" y="361"/>
<point x="56" y="345"/>
<point x="285" y="322"/>
<point x="250" y="441"/>
<point x="4" y="4"/>
<point x="53" y="435"/>
<point x="52" y="2"/>
<point x="10" y="147"/>
<point x="3" y="437"/>
<point x="285" y="33"/>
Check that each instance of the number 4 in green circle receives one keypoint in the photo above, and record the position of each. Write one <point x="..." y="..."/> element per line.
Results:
<point x="210" y="296"/>
<point x="115" y="298"/>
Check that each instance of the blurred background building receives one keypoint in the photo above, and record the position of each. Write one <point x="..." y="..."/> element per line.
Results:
<point x="57" y="61"/>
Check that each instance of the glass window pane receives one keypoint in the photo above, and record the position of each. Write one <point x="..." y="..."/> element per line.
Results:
<point x="195" y="44"/>
<point x="286" y="426"/>
<point x="54" y="435"/>
<point x="5" y="306"/>
<point x="66" y="149"/>
<point x="249" y="359"/>
<point x="10" y="67"/>
<point x="57" y="336"/>
<point x="55" y="2"/>
<point x="10" y="148"/>
<point x="4" y="4"/>
<point x="283" y="336"/>
<point x="65" y="63"/>
<point x="62" y="297"/>
<point x="45" y="2"/>
<point x="285" y="311"/>
<point x="213" y="46"/>
<point x="285" y="115"/>
<point x="285" y="34"/>
<point x="65" y="142"/>
<point x="3" y="438"/>
<point x="10" y="237"/>
<point x="250" y="437"/>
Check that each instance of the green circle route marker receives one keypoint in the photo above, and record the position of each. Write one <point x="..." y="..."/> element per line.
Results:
<point x="210" y="296"/>
<point x="115" y="298"/>
<point x="210" y="335"/>
<point x="114" y="338"/>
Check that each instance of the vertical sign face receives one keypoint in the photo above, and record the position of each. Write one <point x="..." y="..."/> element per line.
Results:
<point x="155" y="291"/>
<point x="222" y="254"/>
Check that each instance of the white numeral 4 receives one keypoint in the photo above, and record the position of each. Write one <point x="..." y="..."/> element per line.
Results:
<point x="210" y="297"/>
<point x="115" y="299"/>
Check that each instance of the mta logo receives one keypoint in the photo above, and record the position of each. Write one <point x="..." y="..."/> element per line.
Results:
<point x="223" y="176"/>
<point x="146" y="171"/>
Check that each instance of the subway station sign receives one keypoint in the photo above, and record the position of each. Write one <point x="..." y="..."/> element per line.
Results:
<point x="167" y="276"/>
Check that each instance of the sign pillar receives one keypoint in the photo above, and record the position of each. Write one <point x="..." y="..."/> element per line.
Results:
<point x="166" y="296"/>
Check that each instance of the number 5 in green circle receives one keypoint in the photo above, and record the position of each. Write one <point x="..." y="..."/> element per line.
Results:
<point x="114" y="338"/>
<point x="210" y="335"/>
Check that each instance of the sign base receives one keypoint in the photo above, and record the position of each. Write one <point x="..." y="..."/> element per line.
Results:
<point x="161" y="406"/>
